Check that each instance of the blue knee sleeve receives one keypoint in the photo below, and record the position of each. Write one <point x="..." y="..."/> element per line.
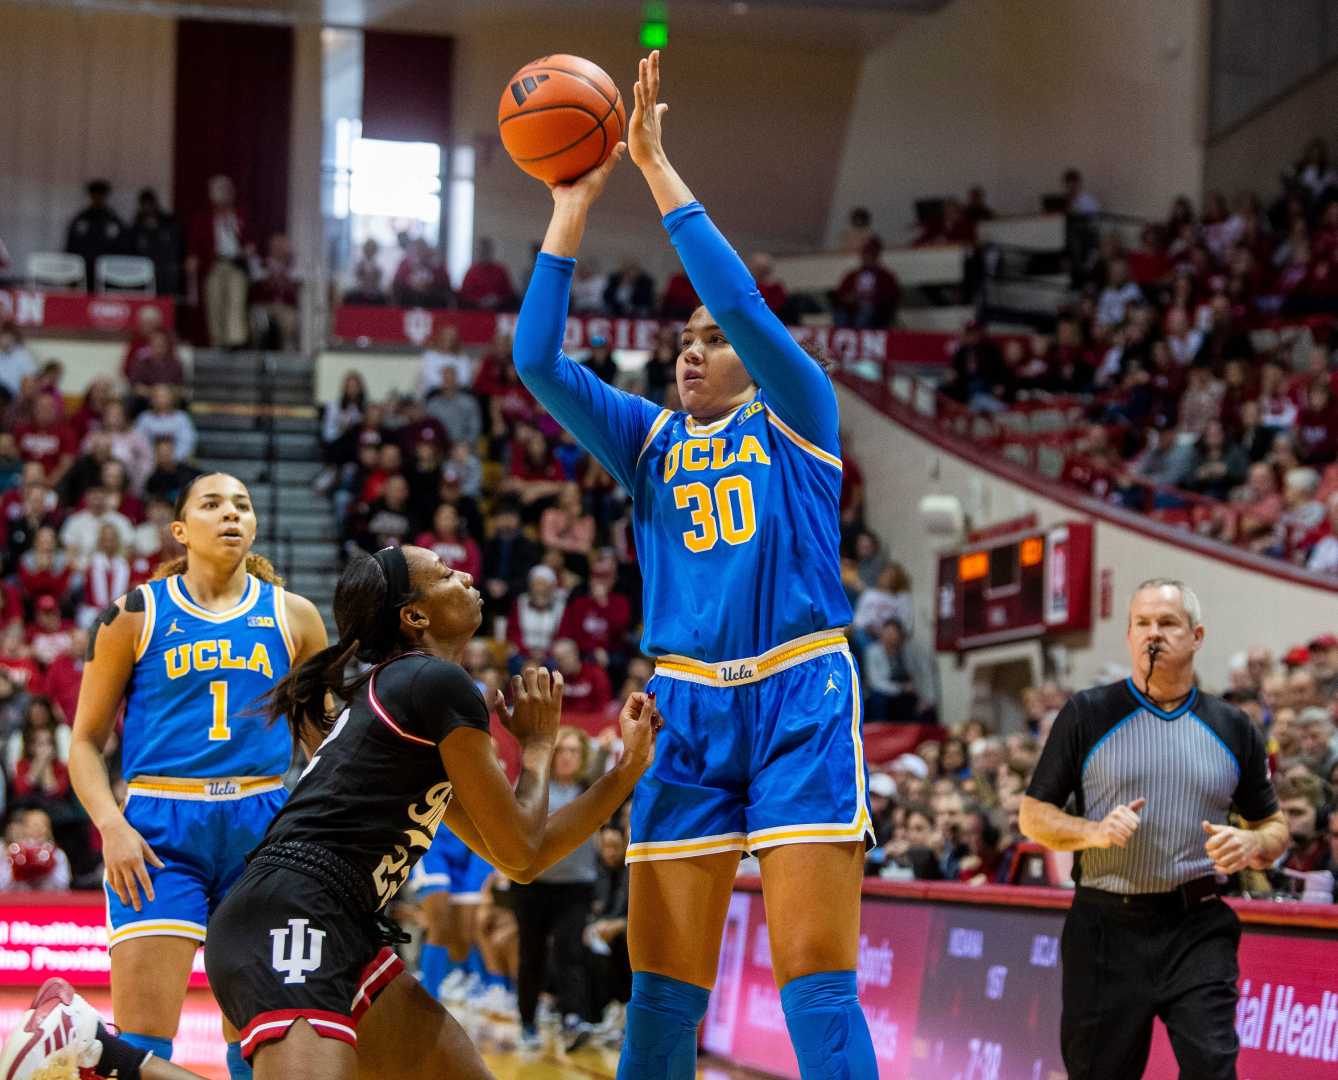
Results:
<point x="474" y="963"/>
<point x="238" y="1069"/>
<point x="432" y="960"/>
<point x="661" y="1038"/>
<point x="827" y="1027"/>
<point x="160" y="1048"/>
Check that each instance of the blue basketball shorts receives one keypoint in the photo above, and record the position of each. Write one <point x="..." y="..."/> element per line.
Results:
<point x="202" y="830"/>
<point x="450" y="866"/>
<point x="755" y="753"/>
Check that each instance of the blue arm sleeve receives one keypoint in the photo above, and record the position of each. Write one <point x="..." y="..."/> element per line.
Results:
<point x="609" y="423"/>
<point x="796" y="387"/>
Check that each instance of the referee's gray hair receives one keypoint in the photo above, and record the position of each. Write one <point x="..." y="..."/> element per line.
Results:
<point x="1189" y="600"/>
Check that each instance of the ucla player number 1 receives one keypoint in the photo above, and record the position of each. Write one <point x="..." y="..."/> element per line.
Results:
<point x="219" y="732"/>
<point x="713" y="512"/>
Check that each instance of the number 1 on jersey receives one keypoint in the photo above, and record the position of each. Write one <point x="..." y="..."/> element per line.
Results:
<point x="220" y="732"/>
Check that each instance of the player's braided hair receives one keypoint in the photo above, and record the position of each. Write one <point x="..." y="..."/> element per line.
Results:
<point x="258" y="565"/>
<point x="365" y="633"/>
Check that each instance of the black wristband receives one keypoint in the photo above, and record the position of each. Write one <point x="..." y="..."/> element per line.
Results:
<point x="119" y="1058"/>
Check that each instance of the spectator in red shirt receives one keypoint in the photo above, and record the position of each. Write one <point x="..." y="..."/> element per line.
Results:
<point x="567" y="528"/>
<point x="487" y="283"/>
<point x="367" y="277"/>
<point x="389" y="462"/>
<point x="490" y="377"/>
<point x="65" y="673"/>
<point x="88" y="416"/>
<point x="45" y="570"/>
<point x="40" y="776"/>
<point x="48" y="439"/>
<point x="153" y="363"/>
<point x="456" y="548"/>
<point x="420" y="427"/>
<point x="598" y="619"/>
<point x="50" y="634"/>
<point x="952" y="227"/>
<point x="275" y="289"/>
<point x="115" y="479"/>
<point x="1316" y="429"/>
<point x="679" y="299"/>
<point x="106" y="576"/>
<point x="764" y="270"/>
<point x="536" y="477"/>
<point x="586" y="687"/>
<point x="867" y="297"/>
<point x="420" y="279"/>
<point x="16" y="660"/>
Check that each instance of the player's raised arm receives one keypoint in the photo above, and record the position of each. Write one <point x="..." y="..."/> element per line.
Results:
<point x="109" y="662"/>
<point x="572" y="825"/>
<point x="796" y="386"/>
<point x="610" y="423"/>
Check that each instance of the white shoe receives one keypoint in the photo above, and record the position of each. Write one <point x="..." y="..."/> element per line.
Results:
<point x="499" y="1001"/>
<point x="452" y="985"/>
<point x="57" y="1037"/>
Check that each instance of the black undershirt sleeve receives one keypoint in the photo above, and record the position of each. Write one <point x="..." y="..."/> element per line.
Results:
<point x="1058" y="772"/>
<point x="1255" y="797"/>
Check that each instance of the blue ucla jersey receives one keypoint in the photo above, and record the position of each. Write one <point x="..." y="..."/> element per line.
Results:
<point x="737" y="522"/>
<point x="198" y="677"/>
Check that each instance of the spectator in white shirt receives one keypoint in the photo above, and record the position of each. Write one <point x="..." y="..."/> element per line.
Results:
<point x="16" y="362"/>
<point x="889" y="598"/>
<point x="1324" y="555"/>
<point x="1081" y="202"/>
<point x="79" y="534"/>
<point x="165" y="419"/>
<point x="457" y="411"/>
<point x="445" y="353"/>
<point x="587" y="289"/>
<point x="1116" y="297"/>
<point x="1183" y="340"/>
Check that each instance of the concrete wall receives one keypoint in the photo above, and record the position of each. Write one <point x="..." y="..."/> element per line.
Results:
<point x="1241" y="607"/>
<point x="83" y="94"/>
<point x="755" y="132"/>
<point x="1249" y="157"/>
<point x="1008" y="94"/>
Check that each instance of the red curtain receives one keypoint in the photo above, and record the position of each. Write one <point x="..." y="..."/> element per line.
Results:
<point x="233" y="116"/>
<point x="406" y="87"/>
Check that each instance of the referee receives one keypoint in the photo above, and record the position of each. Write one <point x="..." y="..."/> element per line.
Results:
<point x="1152" y="766"/>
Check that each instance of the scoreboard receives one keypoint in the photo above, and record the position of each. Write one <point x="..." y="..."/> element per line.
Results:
<point x="1023" y="584"/>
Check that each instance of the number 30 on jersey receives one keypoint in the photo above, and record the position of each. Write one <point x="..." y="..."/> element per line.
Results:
<point x="723" y="511"/>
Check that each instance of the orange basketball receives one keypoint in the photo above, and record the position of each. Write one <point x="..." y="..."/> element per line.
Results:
<point x="560" y="116"/>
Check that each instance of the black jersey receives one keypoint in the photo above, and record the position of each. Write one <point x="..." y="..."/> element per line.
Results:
<point x="376" y="789"/>
<point x="1111" y="745"/>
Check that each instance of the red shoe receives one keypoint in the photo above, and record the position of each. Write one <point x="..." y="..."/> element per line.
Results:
<point x="57" y="1039"/>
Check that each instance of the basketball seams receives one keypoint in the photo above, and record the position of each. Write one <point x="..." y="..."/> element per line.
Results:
<point x="598" y="126"/>
<point x="529" y="68"/>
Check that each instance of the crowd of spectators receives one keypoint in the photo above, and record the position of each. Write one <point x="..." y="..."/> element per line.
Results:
<point x="86" y="499"/>
<point x="1206" y="362"/>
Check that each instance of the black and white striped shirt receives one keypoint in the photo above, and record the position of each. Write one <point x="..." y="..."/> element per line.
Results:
<point x="1111" y="745"/>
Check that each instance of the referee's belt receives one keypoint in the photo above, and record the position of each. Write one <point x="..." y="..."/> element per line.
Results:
<point x="205" y="789"/>
<point x="752" y="669"/>
<point x="1186" y="898"/>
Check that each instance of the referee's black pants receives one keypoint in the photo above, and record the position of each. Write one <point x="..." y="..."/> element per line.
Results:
<point x="1126" y="964"/>
<point x="556" y="911"/>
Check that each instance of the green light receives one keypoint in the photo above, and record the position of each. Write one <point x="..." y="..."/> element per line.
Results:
<point x="654" y="35"/>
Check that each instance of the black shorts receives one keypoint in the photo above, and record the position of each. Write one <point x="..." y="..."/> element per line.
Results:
<point x="285" y="946"/>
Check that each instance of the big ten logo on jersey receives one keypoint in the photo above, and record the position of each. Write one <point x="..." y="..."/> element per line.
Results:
<point x="215" y="654"/>
<point x="394" y="868"/>
<point x="723" y="510"/>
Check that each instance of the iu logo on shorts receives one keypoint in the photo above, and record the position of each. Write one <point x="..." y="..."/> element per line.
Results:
<point x="297" y="950"/>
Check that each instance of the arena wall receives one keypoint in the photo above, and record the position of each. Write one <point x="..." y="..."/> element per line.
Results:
<point x="1242" y="606"/>
<point x="1249" y="157"/>
<point x="1007" y="95"/>
<point x="756" y="133"/>
<point x="85" y="94"/>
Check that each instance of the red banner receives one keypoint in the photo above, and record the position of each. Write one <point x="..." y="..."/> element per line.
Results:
<point x="65" y="937"/>
<point x="958" y="990"/>
<point x="368" y="326"/>
<point x="35" y="310"/>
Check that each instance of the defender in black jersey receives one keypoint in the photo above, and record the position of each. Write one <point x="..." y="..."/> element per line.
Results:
<point x="298" y="957"/>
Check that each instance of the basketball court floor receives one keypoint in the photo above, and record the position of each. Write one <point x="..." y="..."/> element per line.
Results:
<point x="199" y="1045"/>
